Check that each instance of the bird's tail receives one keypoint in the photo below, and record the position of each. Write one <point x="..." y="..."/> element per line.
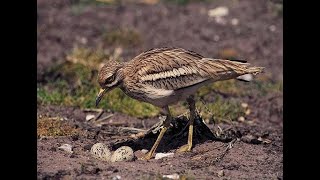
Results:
<point x="228" y="69"/>
<point x="252" y="71"/>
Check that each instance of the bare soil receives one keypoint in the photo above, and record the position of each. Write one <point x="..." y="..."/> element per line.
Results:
<point x="247" y="159"/>
<point x="257" y="38"/>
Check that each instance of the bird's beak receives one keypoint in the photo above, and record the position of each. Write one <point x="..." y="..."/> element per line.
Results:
<point x="100" y="95"/>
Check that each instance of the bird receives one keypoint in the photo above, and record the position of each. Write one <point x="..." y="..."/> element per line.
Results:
<point x="167" y="75"/>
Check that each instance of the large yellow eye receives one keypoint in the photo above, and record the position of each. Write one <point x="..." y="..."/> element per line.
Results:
<point x="109" y="80"/>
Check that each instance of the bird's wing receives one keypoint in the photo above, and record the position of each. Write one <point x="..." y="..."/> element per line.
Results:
<point x="168" y="68"/>
<point x="175" y="68"/>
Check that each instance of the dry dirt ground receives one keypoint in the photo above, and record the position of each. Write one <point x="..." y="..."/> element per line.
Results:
<point x="257" y="37"/>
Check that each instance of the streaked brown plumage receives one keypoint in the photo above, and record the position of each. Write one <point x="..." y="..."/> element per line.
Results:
<point x="165" y="76"/>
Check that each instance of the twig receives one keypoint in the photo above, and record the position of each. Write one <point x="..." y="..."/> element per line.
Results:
<point x="182" y="131"/>
<point x="143" y="123"/>
<point x="131" y="129"/>
<point x="104" y="118"/>
<point x="219" y="131"/>
<point x="227" y="129"/>
<point x="92" y="110"/>
<point x="227" y="121"/>
<point x="154" y="129"/>
<point x="98" y="116"/>
<point x="183" y="114"/>
<point x="112" y="123"/>
<point x="229" y="146"/>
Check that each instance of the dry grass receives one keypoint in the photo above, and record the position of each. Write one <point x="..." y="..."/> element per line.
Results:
<point x="54" y="126"/>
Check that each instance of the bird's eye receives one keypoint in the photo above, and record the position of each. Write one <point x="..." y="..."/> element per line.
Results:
<point x="109" y="80"/>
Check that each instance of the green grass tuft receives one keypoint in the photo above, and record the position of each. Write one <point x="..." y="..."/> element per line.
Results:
<point x="122" y="37"/>
<point x="221" y="109"/>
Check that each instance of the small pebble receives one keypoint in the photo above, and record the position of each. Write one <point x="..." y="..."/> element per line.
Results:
<point x="272" y="28"/>
<point x="234" y="21"/>
<point x="172" y="176"/>
<point x="117" y="177"/>
<point x="162" y="155"/>
<point x="83" y="40"/>
<point x="247" y="112"/>
<point x="244" y="105"/>
<point x="220" y="20"/>
<point x="144" y="151"/>
<point x="216" y="38"/>
<point x="241" y="119"/>
<point x="218" y="12"/>
<point x="66" y="147"/>
<point x="220" y="173"/>
<point x="89" y="117"/>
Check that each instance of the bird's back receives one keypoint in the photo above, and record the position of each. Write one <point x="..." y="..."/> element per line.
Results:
<point x="176" y="68"/>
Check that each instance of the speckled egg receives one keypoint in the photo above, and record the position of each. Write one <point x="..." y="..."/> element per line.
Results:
<point x="101" y="151"/>
<point x="123" y="153"/>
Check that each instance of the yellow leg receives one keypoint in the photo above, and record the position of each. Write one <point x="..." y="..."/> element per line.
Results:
<point x="166" y="125"/>
<point x="192" y="107"/>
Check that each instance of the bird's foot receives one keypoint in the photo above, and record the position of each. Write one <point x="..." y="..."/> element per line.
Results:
<point x="185" y="148"/>
<point x="148" y="156"/>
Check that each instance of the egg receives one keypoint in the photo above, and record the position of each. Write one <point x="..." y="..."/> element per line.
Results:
<point x="101" y="151"/>
<point x="123" y="153"/>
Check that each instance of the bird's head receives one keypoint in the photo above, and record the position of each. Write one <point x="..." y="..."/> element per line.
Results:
<point x="109" y="77"/>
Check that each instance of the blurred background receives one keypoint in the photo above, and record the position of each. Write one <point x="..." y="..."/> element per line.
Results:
<point x="75" y="37"/>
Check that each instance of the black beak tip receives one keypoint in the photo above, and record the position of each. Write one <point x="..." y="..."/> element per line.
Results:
<point x="98" y="101"/>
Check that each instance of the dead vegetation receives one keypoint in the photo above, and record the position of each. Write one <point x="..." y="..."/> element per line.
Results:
<point x="54" y="126"/>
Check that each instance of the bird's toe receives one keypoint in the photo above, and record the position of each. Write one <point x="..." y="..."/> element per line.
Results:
<point x="184" y="148"/>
